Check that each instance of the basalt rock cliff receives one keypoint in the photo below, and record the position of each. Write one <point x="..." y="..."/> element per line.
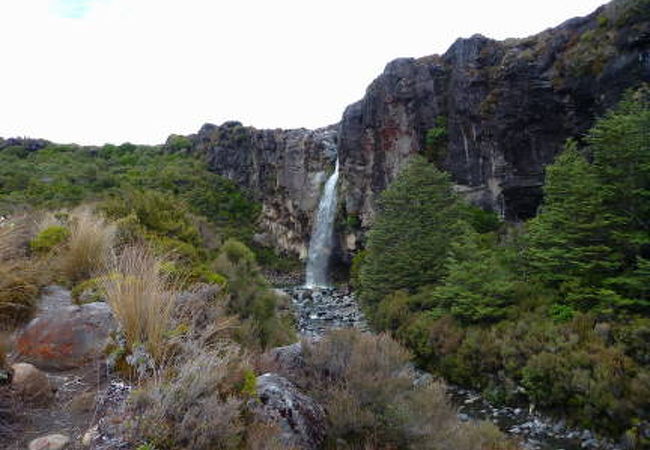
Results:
<point x="283" y="169"/>
<point x="492" y="113"/>
<point x="507" y="106"/>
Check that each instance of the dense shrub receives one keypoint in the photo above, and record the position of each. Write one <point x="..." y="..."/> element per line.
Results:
<point x="58" y="176"/>
<point x="568" y="368"/>
<point x="49" y="238"/>
<point x="366" y="384"/>
<point x="200" y="406"/>
<point x="155" y="212"/>
<point x="555" y="312"/>
<point x="251" y="298"/>
<point x="202" y="394"/>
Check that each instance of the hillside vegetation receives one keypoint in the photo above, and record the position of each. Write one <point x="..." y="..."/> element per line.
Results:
<point x="163" y="241"/>
<point x="555" y="311"/>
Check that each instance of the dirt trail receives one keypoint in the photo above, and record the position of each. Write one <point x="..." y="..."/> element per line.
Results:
<point x="72" y="410"/>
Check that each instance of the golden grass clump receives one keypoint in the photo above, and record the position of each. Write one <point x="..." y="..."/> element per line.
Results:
<point x="89" y="246"/>
<point x="142" y="298"/>
<point x="19" y="277"/>
<point x="15" y="234"/>
<point x="19" y="289"/>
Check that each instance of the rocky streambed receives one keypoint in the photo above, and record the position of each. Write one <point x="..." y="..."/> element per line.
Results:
<point x="320" y="310"/>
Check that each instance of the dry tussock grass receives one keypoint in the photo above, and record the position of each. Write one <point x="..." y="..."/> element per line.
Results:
<point x="142" y="298"/>
<point x="20" y="278"/>
<point x="10" y="234"/>
<point x="89" y="246"/>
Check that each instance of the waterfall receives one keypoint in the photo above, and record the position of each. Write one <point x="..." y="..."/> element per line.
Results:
<point x="322" y="236"/>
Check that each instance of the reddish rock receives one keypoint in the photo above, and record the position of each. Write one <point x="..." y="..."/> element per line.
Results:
<point x="31" y="384"/>
<point x="66" y="338"/>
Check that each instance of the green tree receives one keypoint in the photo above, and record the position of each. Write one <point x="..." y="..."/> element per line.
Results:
<point x="417" y="219"/>
<point x="480" y="286"/>
<point x="570" y="240"/>
<point x="620" y="146"/>
<point x="592" y="237"/>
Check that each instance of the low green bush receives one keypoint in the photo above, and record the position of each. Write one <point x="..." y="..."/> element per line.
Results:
<point x="91" y="290"/>
<point x="49" y="238"/>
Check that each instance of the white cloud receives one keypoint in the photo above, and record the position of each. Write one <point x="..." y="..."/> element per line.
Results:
<point x="139" y="70"/>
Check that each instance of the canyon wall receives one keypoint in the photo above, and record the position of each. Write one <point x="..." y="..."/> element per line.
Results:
<point x="501" y="111"/>
<point x="283" y="169"/>
<point x="507" y="106"/>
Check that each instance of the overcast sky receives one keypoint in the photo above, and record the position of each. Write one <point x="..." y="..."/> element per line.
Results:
<point x="97" y="71"/>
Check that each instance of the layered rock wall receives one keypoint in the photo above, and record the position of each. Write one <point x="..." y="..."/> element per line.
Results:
<point x="283" y="169"/>
<point x="509" y="107"/>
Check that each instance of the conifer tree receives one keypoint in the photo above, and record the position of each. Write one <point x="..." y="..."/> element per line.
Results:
<point x="570" y="239"/>
<point x="592" y="236"/>
<point x="417" y="219"/>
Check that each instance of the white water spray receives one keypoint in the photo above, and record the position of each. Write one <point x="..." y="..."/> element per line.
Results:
<point x="322" y="236"/>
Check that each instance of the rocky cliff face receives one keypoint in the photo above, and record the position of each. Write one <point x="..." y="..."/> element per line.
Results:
<point x="283" y="169"/>
<point x="508" y="106"/>
<point x="504" y="109"/>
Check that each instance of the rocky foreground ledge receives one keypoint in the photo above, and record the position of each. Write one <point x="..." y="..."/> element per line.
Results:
<point x="83" y="406"/>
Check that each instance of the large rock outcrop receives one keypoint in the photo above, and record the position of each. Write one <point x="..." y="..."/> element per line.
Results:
<point x="301" y="420"/>
<point x="508" y="106"/>
<point x="283" y="169"/>
<point x="505" y="109"/>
